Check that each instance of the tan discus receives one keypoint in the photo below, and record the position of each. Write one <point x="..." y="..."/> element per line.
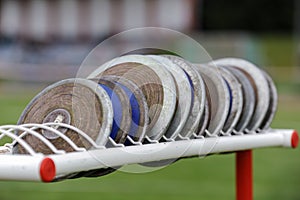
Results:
<point x="184" y="96"/>
<point x="248" y="98"/>
<point x="236" y="100"/>
<point x="78" y="102"/>
<point x="156" y="83"/>
<point x="219" y="99"/>
<point x="196" y="117"/>
<point x="259" y="84"/>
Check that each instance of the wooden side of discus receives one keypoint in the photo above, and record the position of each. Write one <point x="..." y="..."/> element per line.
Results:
<point x="89" y="108"/>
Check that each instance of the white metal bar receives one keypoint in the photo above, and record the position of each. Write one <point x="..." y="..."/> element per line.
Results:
<point x="20" y="167"/>
<point x="110" y="157"/>
<point x="41" y="168"/>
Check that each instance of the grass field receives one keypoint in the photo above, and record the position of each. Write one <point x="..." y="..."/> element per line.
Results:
<point x="276" y="171"/>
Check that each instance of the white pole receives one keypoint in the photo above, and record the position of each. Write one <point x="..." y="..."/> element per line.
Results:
<point x="41" y="168"/>
<point x="112" y="157"/>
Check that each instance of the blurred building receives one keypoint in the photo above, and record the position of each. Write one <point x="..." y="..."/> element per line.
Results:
<point x="46" y="40"/>
<point x="75" y="19"/>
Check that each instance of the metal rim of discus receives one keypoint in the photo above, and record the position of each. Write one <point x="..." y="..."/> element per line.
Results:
<point x="248" y="98"/>
<point x="184" y="96"/>
<point x="236" y="104"/>
<point x="260" y="85"/>
<point x="272" y="104"/>
<point x="197" y="113"/>
<point x="218" y="95"/>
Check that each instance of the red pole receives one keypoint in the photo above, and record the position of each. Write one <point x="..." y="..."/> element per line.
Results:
<point x="244" y="178"/>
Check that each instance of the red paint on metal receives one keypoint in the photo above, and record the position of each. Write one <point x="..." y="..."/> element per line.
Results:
<point x="295" y="139"/>
<point x="47" y="170"/>
<point x="244" y="178"/>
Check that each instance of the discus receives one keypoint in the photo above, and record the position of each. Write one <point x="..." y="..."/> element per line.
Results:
<point x="219" y="99"/>
<point x="236" y="100"/>
<point x="121" y="126"/>
<point x="260" y="86"/>
<point x="204" y="122"/>
<point x="156" y="83"/>
<point x="272" y="104"/>
<point x="78" y="102"/>
<point x="184" y="96"/>
<point x="197" y="115"/>
<point x="138" y="104"/>
<point x="248" y="98"/>
<point x="121" y="109"/>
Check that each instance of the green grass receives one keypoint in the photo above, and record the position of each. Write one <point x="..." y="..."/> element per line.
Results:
<point x="278" y="50"/>
<point x="276" y="171"/>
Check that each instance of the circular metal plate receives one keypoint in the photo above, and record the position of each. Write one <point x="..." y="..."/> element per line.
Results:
<point x="197" y="86"/>
<point x="236" y="100"/>
<point x="217" y="96"/>
<point x="89" y="107"/>
<point x="248" y="98"/>
<point x="157" y="85"/>
<point x="260" y="86"/>
<point x="272" y="104"/>
<point x="184" y="96"/>
<point x="56" y="116"/>
<point x="204" y="122"/>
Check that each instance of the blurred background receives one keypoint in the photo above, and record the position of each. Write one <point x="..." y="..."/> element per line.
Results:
<point x="43" y="41"/>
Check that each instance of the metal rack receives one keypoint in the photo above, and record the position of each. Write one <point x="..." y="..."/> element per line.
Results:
<point x="35" y="166"/>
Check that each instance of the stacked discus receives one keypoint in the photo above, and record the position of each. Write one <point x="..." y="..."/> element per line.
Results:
<point x="142" y="98"/>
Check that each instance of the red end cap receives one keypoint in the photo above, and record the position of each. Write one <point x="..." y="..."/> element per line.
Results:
<point x="47" y="170"/>
<point x="295" y="139"/>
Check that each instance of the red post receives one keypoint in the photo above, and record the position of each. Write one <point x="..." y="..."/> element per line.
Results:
<point x="244" y="178"/>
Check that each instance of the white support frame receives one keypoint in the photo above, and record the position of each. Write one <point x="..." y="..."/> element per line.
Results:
<point x="29" y="167"/>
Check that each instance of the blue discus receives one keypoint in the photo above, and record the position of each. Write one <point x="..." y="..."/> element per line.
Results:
<point x="117" y="110"/>
<point x="135" y="110"/>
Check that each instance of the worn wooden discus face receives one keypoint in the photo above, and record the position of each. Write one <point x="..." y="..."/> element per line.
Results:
<point x="78" y="104"/>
